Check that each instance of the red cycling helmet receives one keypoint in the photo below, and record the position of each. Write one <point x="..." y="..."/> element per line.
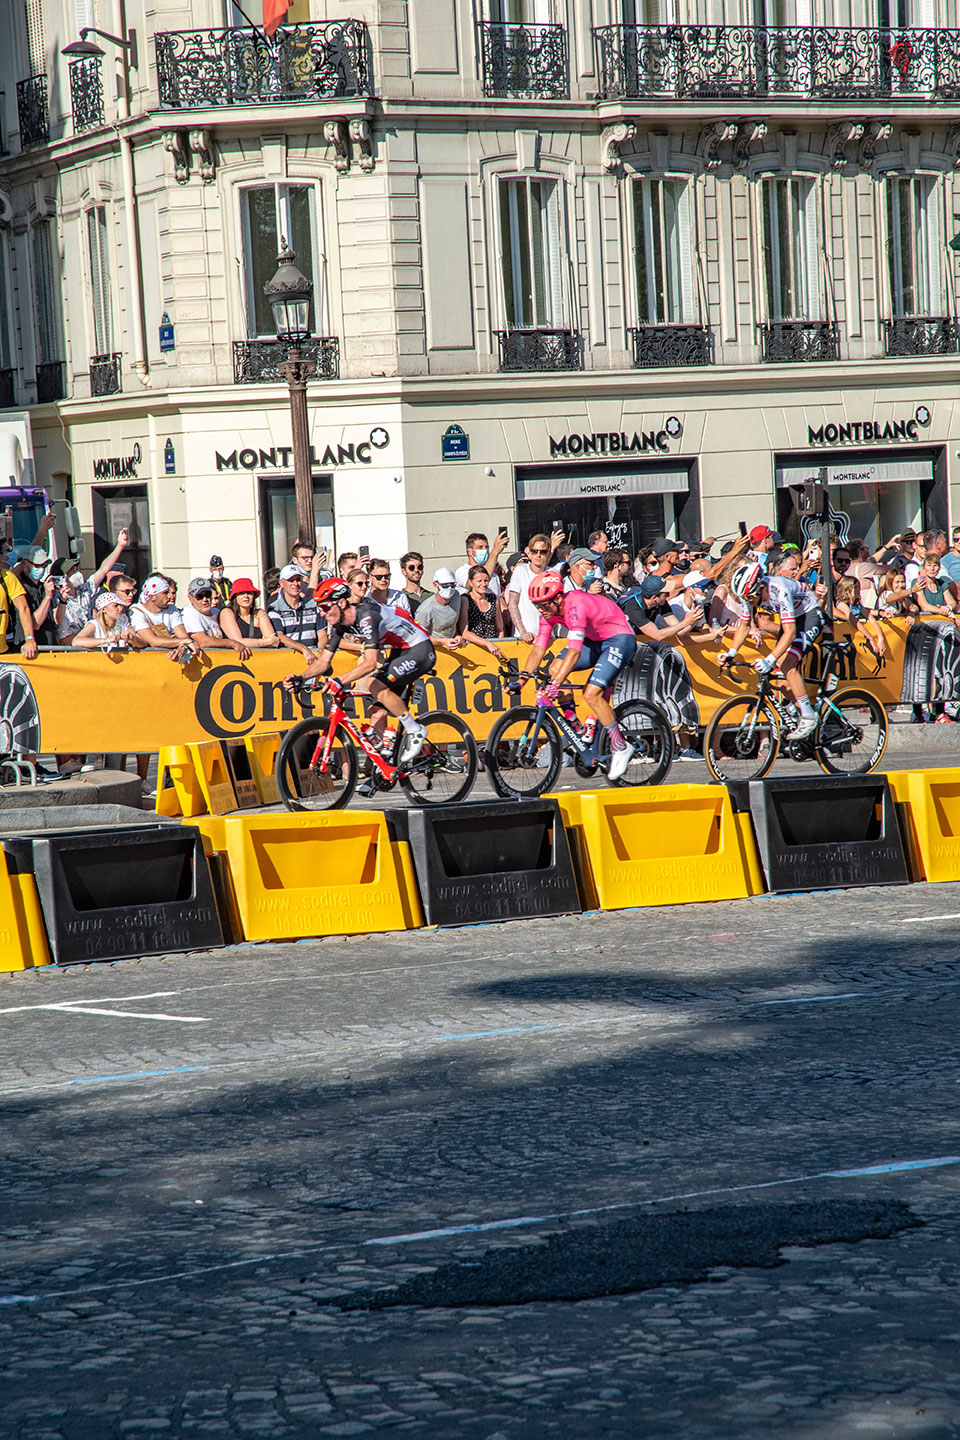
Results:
<point x="545" y="587"/>
<point x="331" y="592"/>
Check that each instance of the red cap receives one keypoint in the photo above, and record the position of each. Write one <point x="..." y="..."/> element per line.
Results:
<point x="758" y="533"/>
<point x="243" y="586"/>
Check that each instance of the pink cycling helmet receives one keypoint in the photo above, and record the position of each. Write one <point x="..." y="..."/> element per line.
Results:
<point x="545" y="587"/>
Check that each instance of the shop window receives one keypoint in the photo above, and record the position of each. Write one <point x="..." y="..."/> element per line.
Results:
<point x="123" y="507"/>
<point x="278" y="517"/>
<point x="913" y="245"/>
<point x="272" y="214"/>
<point x="789" y="233"/>
<point x="532" y="253"/>
<point x="662" y="251"/>
<point x="99" y="260"/>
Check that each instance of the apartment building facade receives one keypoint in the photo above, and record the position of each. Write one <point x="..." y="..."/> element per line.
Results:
<point x="640" y="263"/>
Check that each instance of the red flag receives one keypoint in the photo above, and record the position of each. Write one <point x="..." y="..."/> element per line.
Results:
<point x="273" y="13"/>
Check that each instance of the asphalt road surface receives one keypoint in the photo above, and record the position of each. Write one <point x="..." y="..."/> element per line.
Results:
<point x="690" y="1172"/>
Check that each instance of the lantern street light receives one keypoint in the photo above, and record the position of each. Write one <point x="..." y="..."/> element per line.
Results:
<point x="289" y="294"/>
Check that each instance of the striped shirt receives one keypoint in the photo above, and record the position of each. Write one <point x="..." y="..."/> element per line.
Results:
<point x="301" y="622"/>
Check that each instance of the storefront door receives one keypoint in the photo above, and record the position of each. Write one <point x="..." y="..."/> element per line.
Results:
<point x="633" y="505"/>
<point x="874" y="495"/>
<point x="278" y="517"/>
<point x="123" y="507"/>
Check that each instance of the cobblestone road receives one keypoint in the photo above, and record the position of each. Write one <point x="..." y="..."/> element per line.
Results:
<point x="206" y="1158"/>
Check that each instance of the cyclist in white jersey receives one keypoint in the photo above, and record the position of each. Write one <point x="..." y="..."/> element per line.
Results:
<point x="801" y="623"/>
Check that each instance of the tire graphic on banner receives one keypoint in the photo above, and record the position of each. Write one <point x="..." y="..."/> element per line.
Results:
<point x="658" y="673"/>
<point x="19" y="715"/>
<point x="931" y="663"/>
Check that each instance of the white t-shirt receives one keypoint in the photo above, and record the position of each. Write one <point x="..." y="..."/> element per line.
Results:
<point x="460" y="575"/>
<point x="169" y="618"/>
<point x="520" y="586"/>
<point x="197" y="624"/>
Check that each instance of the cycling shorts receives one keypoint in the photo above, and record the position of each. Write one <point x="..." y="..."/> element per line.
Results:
<point x="402" y="667"/>
<point x="606" y="658"/>
<point x="810" y="629"/>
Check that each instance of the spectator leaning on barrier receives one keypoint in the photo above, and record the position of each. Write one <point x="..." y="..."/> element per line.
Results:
<point x="439" y="614"/>
<point x="648" y="610"/>
<point x="14" y="609"/>
<point x="199" y="623"/>
<point x="933" y="591"/>
<point x="894" y="598"/>
<point x="526" y="616"/>
<point x="411" y="568"/>
<point x="243" y="618"/>
<point x="109" y="626"/>
<point x="219" y="582"/>
<point x="848" y="605"/>
<point x="159" y="622"/>
<point x="480" y="622"/>
<point x="294" y="615"/>
<point x="381" y="591"/>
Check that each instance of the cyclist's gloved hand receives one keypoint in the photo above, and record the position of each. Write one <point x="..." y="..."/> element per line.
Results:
<point x="764" y="665"/>
<point x="727" y="656"/>
<point x="334" y="686"/>
<point x="548" y="695"/>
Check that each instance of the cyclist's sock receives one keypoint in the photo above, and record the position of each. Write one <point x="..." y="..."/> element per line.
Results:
<point x="409" y="723"/>
<point x="805" y="707"/>
<point x="617" y="741"/>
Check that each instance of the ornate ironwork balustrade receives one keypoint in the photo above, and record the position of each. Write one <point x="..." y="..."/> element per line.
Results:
<point x="921" y="335"/>
<point x="525" y="61"/>
<point x="668" y="345"/>
<point x="86" y="94"/>
<point x="8" y="389"/>
<point x="201" y="68"/>
<point x="33" y="111"/>
<point x="105" y="375"/>
<point x="51" y="382"/>
<point x="256" y="361"/>
<point x="708" y="62"/>
<point x="792" y="341"/>
<point x="539" y="350"/>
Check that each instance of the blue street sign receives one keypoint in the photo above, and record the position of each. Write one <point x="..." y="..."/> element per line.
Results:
<point x="169" y="459"/>
<point x="455" y="443"/>
<point x="166" y="333"/>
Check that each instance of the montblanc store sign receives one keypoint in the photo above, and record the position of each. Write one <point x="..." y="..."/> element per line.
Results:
<point x="609" y="442"/>
<point x="867" y="432"/>
<point x="280" y="457"/>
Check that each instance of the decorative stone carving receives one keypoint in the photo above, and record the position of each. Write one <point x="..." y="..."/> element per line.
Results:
<point x="335" y="134"/>
<point x="611" y="138"/>
<point x="201" y="145"/>
<point x="362" y="138"/>
<point x="173" y="142"/>
<point x="839" y="136"/>
<point x="873" y="131"/>
<point x="747" y="132"/>
<point x="712" y="137"/>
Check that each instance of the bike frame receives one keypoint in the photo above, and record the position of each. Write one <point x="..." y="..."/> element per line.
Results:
<point x="337" y="717"/>
<point x="822" y="701"/>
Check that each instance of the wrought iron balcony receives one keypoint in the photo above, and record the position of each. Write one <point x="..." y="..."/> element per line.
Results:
<point x="197" y="69"/>
<point x="105" y="375"/>
<point x="668" y="345"/>
<point x="51" y="382"/>
<point x="785" y="342"/>
<point x="921" y="335"/>
<point x="709" y="62"/>
<point x="86" y="94"/>
<point x="33" y="111"/>
<point x="256" y="361"/>
<point x="540" y="350"/>
<point x="8" y="389"/>
<point x="525" y="61"/>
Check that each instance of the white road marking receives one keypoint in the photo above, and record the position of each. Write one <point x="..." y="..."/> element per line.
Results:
<point x="927" y="919"/>
<point x="94" y="1000"/>
<point x="97" y="1007"/>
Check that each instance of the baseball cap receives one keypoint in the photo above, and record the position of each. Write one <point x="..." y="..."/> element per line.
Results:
<point x="243" y="586"/>
<point x="581" y="553"/>
<point x="38" y="557"/>
<point x="197" y="585"/>
<point x="694" y="578"/>
<point x="443" y="576"/>
<point x="651" y="585"/>
<point x="216" y="562"/>
<point x="291" y="572"/>
<point x="107" y="597"/>
<point x="760" y="532"/>
<point x="665" y="547"/>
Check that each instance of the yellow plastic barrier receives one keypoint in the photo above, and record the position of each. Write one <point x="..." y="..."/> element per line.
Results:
<point x="213" y="777"/>
<point x="666" y="845"/>
<point x="928" y="806"/>
<point x="23" y="935"/>
<point x="262" y="750"/>
<point x="178" y="789"/>
<point x="294" y="876"/>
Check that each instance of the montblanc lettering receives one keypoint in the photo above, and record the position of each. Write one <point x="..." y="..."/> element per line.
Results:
<point x="607" y="442"/>
<point x="276" y="457"/>
<point x="859" y="432"/>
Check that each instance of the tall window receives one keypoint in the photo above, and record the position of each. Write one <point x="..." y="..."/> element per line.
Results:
<point x="6" y="307"/>
<point x="662" y="252"/>
<point x="98" y="255"/>
<point x="649" y="12"/>
<point x="36" y="43"/>
<point x="272" y="212"/>
<point x="913" y="245"/>
<point x="521" y="12"/>
<point x="45" y="287"/>
<point x="297" y="14"/>
<point x="532" y="250"/>
<point x="789" y="227"/>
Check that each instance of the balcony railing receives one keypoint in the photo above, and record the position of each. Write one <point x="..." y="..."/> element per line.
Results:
<point x="86" y="94"/>
<point x="197" y="69"/>
<point x="785" y="342"/>
<point x="51" y="382"/>
<point x="921" y="335"/>
<point x="540" y="350"/>
<point x="669" y="345"/>
<point x="33" y="112"/>
<point x="256" y="361"/>
<point x="105" y="375"/>
<point x="8" y="389"/>
<point x="526" y="61"/>
<point x="710" y="62"/>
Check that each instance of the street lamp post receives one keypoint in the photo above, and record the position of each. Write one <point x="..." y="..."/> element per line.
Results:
<point x="289" y="294"/>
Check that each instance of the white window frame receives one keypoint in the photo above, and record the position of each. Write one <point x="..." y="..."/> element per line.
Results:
<point x="924" y="240"/>
<point x="318" y="276"/>
<point x="554" y="250"/>
<point x="803" y="245"/>
<point x="99" y="272"/>
<point x="650" y="196"/>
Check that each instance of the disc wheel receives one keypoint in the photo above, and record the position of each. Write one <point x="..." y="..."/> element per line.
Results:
<point x="304" y="781"/>
<point x="741" y="740"/>
<point x="444" y="771"/>
<point x="852" y="733"/>
<point x="649" y="731"/>
<point x="520" y="766"/>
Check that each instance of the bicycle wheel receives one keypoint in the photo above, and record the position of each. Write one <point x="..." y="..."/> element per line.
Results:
<point x="446" y="767"/>
<point x="649" y="730"/>
<point x="741" y="740"/>
<point x="305" y="783"/>
<point x="852" y="733"/>
<point x="519" y="765"/>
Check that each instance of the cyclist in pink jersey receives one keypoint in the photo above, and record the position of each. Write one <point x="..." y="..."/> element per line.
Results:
<point x="599" y="637"/>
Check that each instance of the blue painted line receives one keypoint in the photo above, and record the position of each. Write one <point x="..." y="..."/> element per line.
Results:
<point x="19" y="1299"/>
<point x="514" y="1030"/>
<point x="136" y="1074"/>
<point x="897" y="1165"/>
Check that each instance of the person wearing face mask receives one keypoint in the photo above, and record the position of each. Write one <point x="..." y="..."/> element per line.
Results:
<point x="221" y="585"/>
<point x="480" y="552"/>
<point x="41" y="592"/>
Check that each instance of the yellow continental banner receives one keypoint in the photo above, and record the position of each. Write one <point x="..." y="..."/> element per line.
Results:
<point x="88" y="701"/>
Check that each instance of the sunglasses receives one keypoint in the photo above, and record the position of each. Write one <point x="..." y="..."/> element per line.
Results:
<point x="203" y="594"/>
<point x="381" y="579"/>
<point x="540" y="550"/>
<point x="445" y="586"/>
<point x="414" y="566"/>
<point x="360" y="584"/>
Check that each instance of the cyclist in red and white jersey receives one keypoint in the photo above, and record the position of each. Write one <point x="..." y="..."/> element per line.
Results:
<point x="802" y="622"/>
<point x="376" y="627"/>
<point x="599" y="636"/>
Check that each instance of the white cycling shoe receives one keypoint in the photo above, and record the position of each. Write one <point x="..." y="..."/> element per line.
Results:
<point x="620" y="760"/>
<point x="804" y="727"/>
<point x="412" y="744"/>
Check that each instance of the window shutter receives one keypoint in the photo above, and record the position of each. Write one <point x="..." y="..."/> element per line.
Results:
<point x="809" y="286"/>
<point x="100" y="280"/>
<point x="6" y="308"/>
<point x="929" y="238"/>
<point x="687" y="310"/>
<point x="36" y="43"/>
<point x="84" y="14"/>
<point x="555" y="252"/>
<point x="47" y="340"/>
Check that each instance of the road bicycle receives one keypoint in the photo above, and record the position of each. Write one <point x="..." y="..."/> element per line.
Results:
<point x="317" y="761"/>
<point x="743" y="737"/>
<point x="524" y="750"/>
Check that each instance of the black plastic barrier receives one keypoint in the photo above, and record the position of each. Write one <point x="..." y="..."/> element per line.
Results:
<point x="824" y="833"/>
<point x="113" y="894"/>
<point x="238" y="763"/>
<point x="498" y="861"/>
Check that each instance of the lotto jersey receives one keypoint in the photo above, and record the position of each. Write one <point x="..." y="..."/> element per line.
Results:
<point x="587" y="617"/>
<point x="788" y="599"/>
<point x="379" y="626"/>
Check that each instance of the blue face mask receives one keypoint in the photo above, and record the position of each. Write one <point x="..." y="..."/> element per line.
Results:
<point x="480" y="556"/>
<point x="596" y="575"/>
<point x="36" y="572"/>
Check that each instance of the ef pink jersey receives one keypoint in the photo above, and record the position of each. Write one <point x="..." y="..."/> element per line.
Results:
<point x="587" y="617"/>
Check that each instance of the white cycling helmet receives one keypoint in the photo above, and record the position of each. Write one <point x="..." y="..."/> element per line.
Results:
<point x="746" y="580"/>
